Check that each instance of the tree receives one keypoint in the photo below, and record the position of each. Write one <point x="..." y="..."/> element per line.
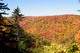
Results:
<point x="3" y="7"/>
<point x="16" y="14"/>
<point x="5" y="35"/>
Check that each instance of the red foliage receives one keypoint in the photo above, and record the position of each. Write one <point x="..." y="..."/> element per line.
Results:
<point x="50" y="26"/>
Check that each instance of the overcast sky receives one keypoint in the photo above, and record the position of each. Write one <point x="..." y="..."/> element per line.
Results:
<point x="44" y="7"/>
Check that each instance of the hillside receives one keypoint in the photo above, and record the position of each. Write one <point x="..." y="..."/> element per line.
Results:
<point x="59" y="28"/>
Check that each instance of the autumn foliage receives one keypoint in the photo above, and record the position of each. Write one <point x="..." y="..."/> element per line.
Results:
<point x="6" y="36"/>
<point x="60" y="28"/>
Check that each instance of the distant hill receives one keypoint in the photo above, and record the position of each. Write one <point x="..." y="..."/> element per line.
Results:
<point x="59" y="28"/>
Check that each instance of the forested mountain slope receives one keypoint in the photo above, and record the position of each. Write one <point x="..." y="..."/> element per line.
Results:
<point x="59" y="28"/>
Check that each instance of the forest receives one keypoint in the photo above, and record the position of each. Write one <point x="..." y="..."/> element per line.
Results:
<point x="38" y="34"/>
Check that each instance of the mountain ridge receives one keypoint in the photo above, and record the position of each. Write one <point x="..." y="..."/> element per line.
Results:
<point x="57" y="28"/>
<point x="53" y="27"/>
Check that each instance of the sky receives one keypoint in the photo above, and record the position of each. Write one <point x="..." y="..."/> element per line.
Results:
<point x="43" y="7"/>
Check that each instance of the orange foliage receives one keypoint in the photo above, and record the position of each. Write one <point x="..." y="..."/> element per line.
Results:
<point x="56" y="27"/>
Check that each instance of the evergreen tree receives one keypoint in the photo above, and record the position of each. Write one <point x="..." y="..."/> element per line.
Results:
<point x="16" y="14"/>
<point x="6" y="35"/>
<point x="3" y="7"/>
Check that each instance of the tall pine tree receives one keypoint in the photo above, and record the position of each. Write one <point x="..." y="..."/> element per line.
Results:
<point x="16" y="15"/>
